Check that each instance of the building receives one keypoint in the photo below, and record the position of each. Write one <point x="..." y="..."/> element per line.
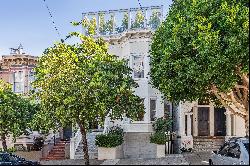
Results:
<point x="197" y="125"/>
<point x="17" y="69"/>
<point x="131" y="40"/>
<point x="202" y="126"/>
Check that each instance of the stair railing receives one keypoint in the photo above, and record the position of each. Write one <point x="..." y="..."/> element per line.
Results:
<point x="74" y="143"/>
<point x="50" y="142"/>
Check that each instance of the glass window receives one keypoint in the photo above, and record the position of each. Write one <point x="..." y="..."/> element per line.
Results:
<point x="224" y="149"/>
<point x="140" y="115"/>
<point x="152" y="109"/>
<point x="138" y="67"/>
<point x="18" y="82"/>
<point x="234" y="150"/>
<point x="31" y="79"/>
<point x="246" y="146"/>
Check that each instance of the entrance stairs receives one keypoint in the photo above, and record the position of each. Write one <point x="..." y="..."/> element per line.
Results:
<point x="207" y="143"/>
<point x="58" y="152"/>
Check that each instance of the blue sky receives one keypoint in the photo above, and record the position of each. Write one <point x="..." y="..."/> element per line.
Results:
<point x="28" y="21"/>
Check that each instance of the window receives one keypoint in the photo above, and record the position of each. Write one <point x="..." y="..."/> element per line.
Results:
<point x="231" y="149"/>
<point x="140" y="115"/>
<point x="224" y="149"/>
<point x="152" y="109"/>
<point x="166" y="109"/>
<point x="138" y="66"/>
<point x="234" y="150"/>
<point x="31" y="79"/>
<point x="18" y="82"/>
<point x="246" y="146"/>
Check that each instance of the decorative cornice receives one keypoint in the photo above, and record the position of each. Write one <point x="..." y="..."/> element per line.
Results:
<point x="125" y="36"/>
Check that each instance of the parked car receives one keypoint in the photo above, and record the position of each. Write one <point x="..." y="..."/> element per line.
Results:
<point x="12" y="159"/>
<point x="234" y="152"/>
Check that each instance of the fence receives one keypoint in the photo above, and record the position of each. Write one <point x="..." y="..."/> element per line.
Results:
<point x="169" y="146"/>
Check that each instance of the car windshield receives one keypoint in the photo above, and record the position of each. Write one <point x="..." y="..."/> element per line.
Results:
<point x="246" y="146"/>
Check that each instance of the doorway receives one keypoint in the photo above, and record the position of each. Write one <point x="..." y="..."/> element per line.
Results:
<point x="219" y="122"/>
<point x="203" y="121"/>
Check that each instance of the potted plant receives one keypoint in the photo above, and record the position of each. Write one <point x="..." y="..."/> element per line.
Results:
<point x="110" y="144"/>
<point x="159" y="137"/>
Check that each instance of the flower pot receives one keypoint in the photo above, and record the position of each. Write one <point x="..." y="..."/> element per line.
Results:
<point x="160" y="151"/>
<point x="110" y="153"/>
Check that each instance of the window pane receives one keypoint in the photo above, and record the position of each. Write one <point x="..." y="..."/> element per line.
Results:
<point x="234" y="150"/>
<point x="247" y="146"/>
<point x="18" y="87"/>
<point x="152" y="109"/>
<point x="224" y="149"/>
<point x="138" y="67"/>
<point x="140" y="115"/>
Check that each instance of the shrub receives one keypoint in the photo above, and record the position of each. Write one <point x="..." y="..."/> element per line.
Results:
<point x="109" y="140"/>
<point x="159" y="138"/>
<point x="38" y="143"/>
<point x="9" y="150"/>
<point x="113" y="138"/>
<point x="116" y="130"/>
<point x="162" y="124"/>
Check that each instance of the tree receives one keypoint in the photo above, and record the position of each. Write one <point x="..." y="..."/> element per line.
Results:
<point x="15" y="113"/>
<point x="154" y="20"/>
<point x="201" y="52"/>
<point x="139" y="20"/>
<point x="82" y="83"/>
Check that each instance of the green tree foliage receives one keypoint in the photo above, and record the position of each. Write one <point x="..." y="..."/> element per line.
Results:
<point x="139" y="20"/>
<point x="201" y="52"/>
<point x="82" y="83"/>
<point x="124" y="25"/>
<point x="154" y="20"/>
<point x="106" y="27"/>
<point x="90" y="25"/>
<point x="15" y="113"/>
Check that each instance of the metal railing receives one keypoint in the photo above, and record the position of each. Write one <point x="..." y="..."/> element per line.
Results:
<point x="74" y="143"/>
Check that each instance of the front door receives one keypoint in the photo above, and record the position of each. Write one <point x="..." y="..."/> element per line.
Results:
<point x="219" y="122"/>
<point x="67" y="132"/>
<point x="203" y="121"/>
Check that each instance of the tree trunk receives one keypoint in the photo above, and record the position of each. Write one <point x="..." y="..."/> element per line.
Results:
<point x="85" y="143"/>
<point x="3" y="139"/>
<point x="247" y="124"/>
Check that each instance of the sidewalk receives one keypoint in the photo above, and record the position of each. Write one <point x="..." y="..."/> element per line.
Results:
<point x="200" y="158"/>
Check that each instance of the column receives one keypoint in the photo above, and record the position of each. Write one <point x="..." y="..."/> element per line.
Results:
<point x="162" y="13"/>
<point x="83" y="28"/>
<point x="189" y="124"/>
<point x="113" y="20"/>
<point x="147" y="109"/>
<point x="145" y="18"/>
<point x="129" y="19"/>
<point x="211" y="120"/>
<point x="97" y="23"/>
<point x="228" y="123"/>
<point x="195" y="118"/>
<point x="181" y="117"/>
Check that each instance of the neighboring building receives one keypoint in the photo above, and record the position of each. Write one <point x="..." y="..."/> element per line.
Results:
<point x="17" y="69"/>
<point x="204" y="127"/>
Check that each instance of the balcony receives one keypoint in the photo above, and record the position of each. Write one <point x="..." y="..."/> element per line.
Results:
<point x="115" y="22"/>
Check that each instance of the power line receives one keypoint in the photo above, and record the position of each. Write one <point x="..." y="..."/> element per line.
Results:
<point x="54" y="24"/>
<point x="140" y="4"/>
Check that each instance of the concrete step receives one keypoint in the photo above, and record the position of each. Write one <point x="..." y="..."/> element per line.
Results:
<point x="207" y="143"/>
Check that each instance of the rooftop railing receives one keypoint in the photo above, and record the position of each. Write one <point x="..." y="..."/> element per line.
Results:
<point x="112" y="22"/>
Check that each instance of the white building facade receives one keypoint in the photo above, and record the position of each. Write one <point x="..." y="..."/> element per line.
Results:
<point x="204" y="127"/>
